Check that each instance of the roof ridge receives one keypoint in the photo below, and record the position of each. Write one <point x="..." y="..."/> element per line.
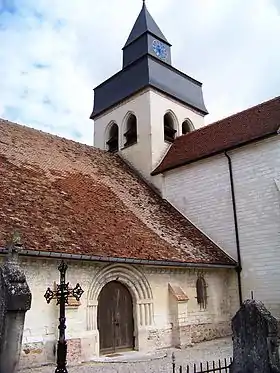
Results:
<point x="49" y="134"/>
<point x="245" y="110"/>
<point x="229" y="117"/>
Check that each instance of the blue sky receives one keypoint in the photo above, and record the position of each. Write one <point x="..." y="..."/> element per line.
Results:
<point x="53" y="53"/>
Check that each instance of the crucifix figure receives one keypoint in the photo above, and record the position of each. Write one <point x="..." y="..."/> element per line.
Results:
<point x="61" y="295"/>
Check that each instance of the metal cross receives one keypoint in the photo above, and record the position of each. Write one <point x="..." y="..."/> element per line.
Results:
<point x="61" y="295"/>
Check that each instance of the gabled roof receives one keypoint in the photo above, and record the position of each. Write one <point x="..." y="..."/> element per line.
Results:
<point x="242" y="128"/>
<point x="143" y="24"/>
<point x="67" y="197"/>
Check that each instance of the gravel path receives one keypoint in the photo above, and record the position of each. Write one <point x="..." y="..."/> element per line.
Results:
<point x="212" y="350"/>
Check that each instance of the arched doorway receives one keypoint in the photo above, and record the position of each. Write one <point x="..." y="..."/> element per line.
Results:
<point x="115" y="318"/>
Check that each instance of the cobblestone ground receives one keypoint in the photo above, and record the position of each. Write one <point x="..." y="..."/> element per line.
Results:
<point x="202" y="352"/>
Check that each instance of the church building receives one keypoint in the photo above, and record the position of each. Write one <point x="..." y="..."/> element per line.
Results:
<point x="224" y="177"/>
<point x="166" y="223"/>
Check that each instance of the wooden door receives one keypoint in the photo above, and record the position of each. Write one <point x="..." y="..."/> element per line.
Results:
<point x="115" y="318"/>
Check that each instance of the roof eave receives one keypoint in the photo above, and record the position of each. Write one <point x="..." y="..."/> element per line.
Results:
<point x="95" y="115"/>
<point x="96" y="258"/>
<point x="165" y="41"/>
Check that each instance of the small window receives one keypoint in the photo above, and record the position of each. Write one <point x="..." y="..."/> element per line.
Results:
<point x="201" y="294"/>
<point x="131" y="131"/>
<point x="187" y="127"/>
<point x="169" y="130"/>
<point x="113" y="142"/>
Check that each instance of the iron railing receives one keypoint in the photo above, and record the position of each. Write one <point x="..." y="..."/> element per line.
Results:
<point x="220" y="366"/>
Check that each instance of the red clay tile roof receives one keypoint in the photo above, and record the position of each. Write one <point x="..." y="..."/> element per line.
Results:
<point x="248" y="125"/>
<point x="72" y="198"/>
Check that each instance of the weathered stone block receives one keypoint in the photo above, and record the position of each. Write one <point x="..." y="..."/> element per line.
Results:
<point x="208" y="331"/>
<point x="255" y="340"/>
<point x="74" y="351"/>
<point x="15" y="300"/>
<point x="32" y="354"/>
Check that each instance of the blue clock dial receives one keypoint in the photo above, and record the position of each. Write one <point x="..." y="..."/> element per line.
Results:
<point x="159" y="49"/>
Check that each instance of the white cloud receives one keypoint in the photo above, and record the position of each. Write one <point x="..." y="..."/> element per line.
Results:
<point x="53" y="53"/>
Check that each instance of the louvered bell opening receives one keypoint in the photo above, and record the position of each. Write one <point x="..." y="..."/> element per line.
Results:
<point x="131" y="136"/>
<point x="187" y="127"/>
<point x="131" y="131"/>
<point x="113" y="144"/>
<point x="169" y="133"/>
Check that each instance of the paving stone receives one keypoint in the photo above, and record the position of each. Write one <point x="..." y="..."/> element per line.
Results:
<point x="201" y="352"/>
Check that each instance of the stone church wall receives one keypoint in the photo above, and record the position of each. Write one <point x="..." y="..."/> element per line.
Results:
<point x="201" y="191"/>
<point x="160" y="319"/>
<point x="197" y="325"/>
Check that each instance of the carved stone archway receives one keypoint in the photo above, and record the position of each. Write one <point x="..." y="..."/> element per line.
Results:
<point x="140" y="291"/>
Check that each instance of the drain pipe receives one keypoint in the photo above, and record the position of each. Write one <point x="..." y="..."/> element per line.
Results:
<point x="239" y="267"/>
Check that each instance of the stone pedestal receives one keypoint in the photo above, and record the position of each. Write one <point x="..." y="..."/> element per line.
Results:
<point x="178" y="305"/>
<point x="15" y="300"/>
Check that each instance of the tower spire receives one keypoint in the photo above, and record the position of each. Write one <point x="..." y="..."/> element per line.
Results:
<point x="147" y="63"/>
<point x="145" y="24"/>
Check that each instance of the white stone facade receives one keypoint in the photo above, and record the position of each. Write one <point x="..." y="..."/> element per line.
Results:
<point x="160" y="320"/>
<point x="149" y="107"/>
<point x="201" y="191"/>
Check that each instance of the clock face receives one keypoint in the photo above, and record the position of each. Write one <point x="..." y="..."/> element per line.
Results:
<point x="159" y="49"/>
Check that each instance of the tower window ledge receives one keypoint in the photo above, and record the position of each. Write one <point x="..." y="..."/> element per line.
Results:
<point x="129" y="145"/>
<point x="169" y="141"/>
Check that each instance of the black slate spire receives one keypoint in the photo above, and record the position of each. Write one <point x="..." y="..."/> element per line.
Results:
<point x="146" y="38"/>
<point x="145" y="24"/>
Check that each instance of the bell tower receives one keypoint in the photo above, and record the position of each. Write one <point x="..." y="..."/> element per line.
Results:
<point x="139" y="111"/>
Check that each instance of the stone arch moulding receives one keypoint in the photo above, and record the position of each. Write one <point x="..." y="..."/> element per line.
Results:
<point x="107" y="133"/>
<point x="138" y="286"/>
<point x="124" y="126"/>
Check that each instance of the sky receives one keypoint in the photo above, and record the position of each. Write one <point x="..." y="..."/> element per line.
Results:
<point x="54" y="52"/>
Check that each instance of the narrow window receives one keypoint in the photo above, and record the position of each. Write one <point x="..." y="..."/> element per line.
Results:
<point x="113" y="141"/>
<point x="169" y="130"/>
<point x="187" y="127"/>
<point x="201" y="294"/>
<point x="131" y="131"/>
